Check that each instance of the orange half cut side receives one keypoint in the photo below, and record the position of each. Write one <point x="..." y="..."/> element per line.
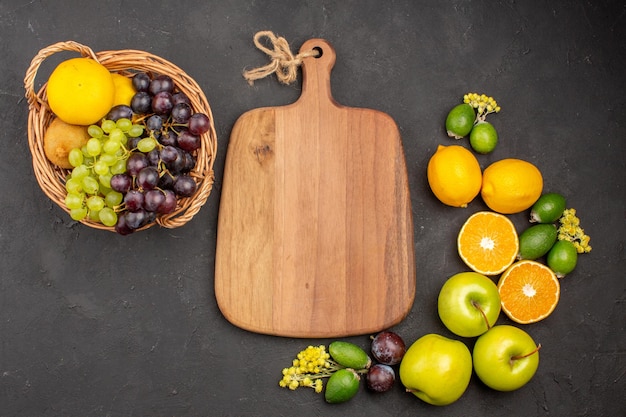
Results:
<point x="529" y="291"/>
<point x="488" y="243"/>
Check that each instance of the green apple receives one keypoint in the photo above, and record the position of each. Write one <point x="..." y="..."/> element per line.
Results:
<point x="469" y="304"/>
<point x="436" y="369"/>
<point x="505" y="358"/>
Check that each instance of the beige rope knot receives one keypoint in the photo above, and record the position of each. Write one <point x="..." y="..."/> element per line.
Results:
<point x="283" y="63"/>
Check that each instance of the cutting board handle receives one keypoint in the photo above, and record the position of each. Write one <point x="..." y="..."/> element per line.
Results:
<point x="316" y="71"/>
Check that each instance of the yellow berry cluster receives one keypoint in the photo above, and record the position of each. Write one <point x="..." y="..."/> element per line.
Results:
<point x="570" y="229"/>
<point x="482" y="103"/>
<point x="310" y="365"/>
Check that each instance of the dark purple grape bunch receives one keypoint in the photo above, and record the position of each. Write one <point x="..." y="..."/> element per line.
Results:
<point x="157" y="176"/>
<point x="388" y="349"/>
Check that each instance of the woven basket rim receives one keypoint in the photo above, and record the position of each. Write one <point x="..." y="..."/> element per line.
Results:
<point x="51" y="178"/>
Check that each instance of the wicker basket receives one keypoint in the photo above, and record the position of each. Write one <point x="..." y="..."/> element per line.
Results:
<point x="51" y="178"/>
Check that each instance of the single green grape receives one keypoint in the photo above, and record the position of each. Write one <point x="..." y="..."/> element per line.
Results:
<point x="73" y="185"/>
<point x="100" y="168"/>
<point x="145" y="145"/>
<point x="74" y="200"/>
<point x="90" y="185"/>
<point x="113" y="199"/>
<point x="135" y="131"/>
<point x="117" y="135"/>
<point x="75" y="157"/>
<point x="94" y="147"/>
<point x="119" y="167"/>
<point x="80" y="172"/>
<point x="78" y="214"/>
<point x="105" y="182"/>
<point x="94" y="216"/>
<point x="107" y="216"/>
<point x="95" y="203"/>
<point x="111" y="146"/>
<point x="124" y="124"/>
<point x="108" y="126"/>
<point x="95" y="131"/>
<point x="108" y="159"/>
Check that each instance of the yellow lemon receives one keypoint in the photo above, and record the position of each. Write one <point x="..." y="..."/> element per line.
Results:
<point x="454" y="175"/>
<point x="124" y="90"/>
<point x="80" y="91"/>
<point x="511" y="185"/>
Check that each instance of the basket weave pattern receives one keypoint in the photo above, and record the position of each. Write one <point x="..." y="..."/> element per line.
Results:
<point x="127" y="62"/>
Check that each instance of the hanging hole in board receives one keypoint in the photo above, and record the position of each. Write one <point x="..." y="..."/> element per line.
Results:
<point x="319" y="51"/>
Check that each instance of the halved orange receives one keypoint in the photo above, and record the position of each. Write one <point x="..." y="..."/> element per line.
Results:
<point x="488" y="242"/>
<point x="529" y="291"/>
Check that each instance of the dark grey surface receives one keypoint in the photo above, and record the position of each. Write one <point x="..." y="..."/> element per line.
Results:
<point x="95" y="324"/>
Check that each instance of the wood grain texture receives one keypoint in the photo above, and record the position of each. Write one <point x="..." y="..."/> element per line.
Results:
<point x="315" y="232"/>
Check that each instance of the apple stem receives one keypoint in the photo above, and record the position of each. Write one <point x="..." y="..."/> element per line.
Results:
<point x="517" y="357"/>
<point x="477" y="306"/>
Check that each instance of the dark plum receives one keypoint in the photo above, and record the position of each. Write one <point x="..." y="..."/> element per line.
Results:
<point x="380" y="378"/>
<point x="388" y="348"/>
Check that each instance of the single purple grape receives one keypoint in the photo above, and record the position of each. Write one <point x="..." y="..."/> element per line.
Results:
<point x="153" y="199"/>
<point x="136" y="219"/>
<point x="180" y="97"/>
<point x="199" y="124"/>
<point x="136" y="162"/>
<point x="185" y="186"/>
<point x="162" y="103"/>
<point x="121" y="226"/>
<point x="188" y="141"/>
<point x="147" y="178"/>
<point x="169" y="203"/>
<point x="181" y="112"/>
<point x="168" y="154"/>
<point x="141" y="81"/>
<point x="118" y="112"/>
<point x="154" y="123"/>
<point x="133" y="200"/>
<point x="161" y="83"/>
<point x="141" y="103"/>
<point x="168" y="138"/>
<point x="121" y="183"/>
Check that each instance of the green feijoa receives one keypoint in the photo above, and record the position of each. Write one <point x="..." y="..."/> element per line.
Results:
<point x="562" y="258"/>
<point x="548" y="208"/>
<point x="483" y="137"/>
<point x="342" y="386"/>
<point x="349" y="355"/>
<point x="536" y="241"/>
<point x="460" y="121"/>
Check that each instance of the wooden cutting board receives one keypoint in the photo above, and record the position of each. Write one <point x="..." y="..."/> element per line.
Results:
<point x="315" y="232"/>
